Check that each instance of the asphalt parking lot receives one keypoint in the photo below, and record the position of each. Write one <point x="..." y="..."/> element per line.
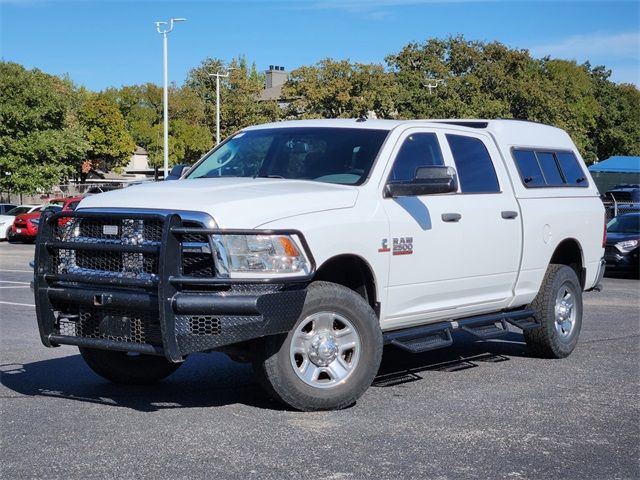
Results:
<point x="476" y="410"/>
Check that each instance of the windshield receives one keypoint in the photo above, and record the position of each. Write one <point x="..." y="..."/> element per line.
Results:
<point x="18" y="211"/>
<point x="624" y="224"/>
<point x="332" y="155"/>
<point x="52" y="208"/>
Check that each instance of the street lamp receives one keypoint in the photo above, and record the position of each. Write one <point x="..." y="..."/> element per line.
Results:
<point x="218" y="76"/>
<point x="163" y="30"/>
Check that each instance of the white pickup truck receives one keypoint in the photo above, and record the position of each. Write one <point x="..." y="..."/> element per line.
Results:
<point x="306" y="246"/>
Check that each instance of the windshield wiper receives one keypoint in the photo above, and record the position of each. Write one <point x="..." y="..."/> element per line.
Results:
<point x="268" y="176"/>
<point x="215" y="176"/>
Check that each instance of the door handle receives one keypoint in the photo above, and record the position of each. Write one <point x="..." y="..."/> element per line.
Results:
<point x="509" y="214"/>
<point x="451" y="217"/>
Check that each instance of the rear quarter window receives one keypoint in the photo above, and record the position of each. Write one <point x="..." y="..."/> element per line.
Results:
<point x="573" y="173"/>
<point x="548" y="168"/>
<point x="529" y="168"/>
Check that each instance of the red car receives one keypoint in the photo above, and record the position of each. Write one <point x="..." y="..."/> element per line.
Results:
<point x="25" y="226"/>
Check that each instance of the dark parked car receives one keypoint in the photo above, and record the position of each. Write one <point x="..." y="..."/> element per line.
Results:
<point x="623" y="238"/>
<point x="625" y="193"/>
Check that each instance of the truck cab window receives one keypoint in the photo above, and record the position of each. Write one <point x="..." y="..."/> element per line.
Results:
<point x="473" y="164"/>
<point x="418" y="150"/>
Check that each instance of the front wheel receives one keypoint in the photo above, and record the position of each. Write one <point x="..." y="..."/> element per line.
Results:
<point x="127" y="368"/>
<point x="558" y="311"/>
<point x="331" y="355"/>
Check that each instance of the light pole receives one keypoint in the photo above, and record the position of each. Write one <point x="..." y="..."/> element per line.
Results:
<point x="219" y="75"/>
<point x="163" y="30"/>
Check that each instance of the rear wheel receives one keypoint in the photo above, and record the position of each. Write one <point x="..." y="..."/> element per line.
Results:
<point x="330" y="357"/>
<point x="558" y="308"/>
<point x="128" y="368"/>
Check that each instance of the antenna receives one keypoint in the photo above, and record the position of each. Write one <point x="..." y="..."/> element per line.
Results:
<point x="432" y="84"/>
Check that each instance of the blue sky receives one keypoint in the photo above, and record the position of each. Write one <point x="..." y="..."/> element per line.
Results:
<point x="102" y="43"/>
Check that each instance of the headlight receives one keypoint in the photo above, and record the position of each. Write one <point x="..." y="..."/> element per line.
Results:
<point x="35" y="221"/>
<point x="627" y="245"/>
<point x="245" y="256"/>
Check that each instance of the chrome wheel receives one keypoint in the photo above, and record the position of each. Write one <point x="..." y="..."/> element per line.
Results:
<point x="565" y="311"/>
<point x="325" y="349"/>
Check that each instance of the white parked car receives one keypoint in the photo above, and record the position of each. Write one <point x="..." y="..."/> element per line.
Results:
<point x="6" y="220"/>
<point x="305" y="247"/>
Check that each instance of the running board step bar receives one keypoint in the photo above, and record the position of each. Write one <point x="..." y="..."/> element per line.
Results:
<point x="438" y="335"/>
<point x="485" y="332"/>
<point x="425" y="343"/>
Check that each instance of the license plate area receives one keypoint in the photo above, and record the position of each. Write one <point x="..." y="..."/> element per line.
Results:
<point x="110" y="229"/>
<point x="115" y="326"/>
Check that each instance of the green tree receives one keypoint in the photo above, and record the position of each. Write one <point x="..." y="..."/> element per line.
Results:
<point x="340" y="89"/>
<point x="490" y="80"/>
<point x="617" y="127"/>
<point x="577" y="108"/>
<point x="110" y="144"/>
<point x="141" y="106"/>
<point x="239" y="95"/>
<point x="474" y="79"/>
<point x="187" y="143"/>
<point x="41" y="141"/>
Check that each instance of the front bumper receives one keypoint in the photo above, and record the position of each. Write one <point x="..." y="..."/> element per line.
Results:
<point x="622" y="261"/>
<point x="138" y="297"/>
<point x="27" y="232"/>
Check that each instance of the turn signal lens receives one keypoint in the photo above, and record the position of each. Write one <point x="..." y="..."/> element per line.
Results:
<point x="290" y="249"/>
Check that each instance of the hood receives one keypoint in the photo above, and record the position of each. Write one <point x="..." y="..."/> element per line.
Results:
<point x="233" y="202"/>
<point x="27" y="216"/>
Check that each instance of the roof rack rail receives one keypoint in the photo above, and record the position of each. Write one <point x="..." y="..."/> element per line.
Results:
<point x="463" y="123"/>
<point x="524" y="120"/>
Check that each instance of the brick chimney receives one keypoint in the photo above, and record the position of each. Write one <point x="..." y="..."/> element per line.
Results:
<point x="276" y="76"/>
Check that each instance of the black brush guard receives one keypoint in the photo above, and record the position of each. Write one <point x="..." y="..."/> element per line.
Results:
<point x="163" y="313"/>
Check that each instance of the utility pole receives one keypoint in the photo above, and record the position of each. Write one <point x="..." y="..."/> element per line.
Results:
<point x="164" y="31"/>
<point x="218" y="75"/>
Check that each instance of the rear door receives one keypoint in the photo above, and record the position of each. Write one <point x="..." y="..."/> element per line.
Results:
<point x="452" y="254"/>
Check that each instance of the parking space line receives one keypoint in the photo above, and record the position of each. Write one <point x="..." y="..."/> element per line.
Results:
<point x="14" y="286"/>
<point x="18" y="283"/>
<point x="17" y="271"/>
<point x="17" y="304"/>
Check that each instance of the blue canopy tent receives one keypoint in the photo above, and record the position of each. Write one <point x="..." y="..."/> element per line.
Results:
<point x="615" y="171"/>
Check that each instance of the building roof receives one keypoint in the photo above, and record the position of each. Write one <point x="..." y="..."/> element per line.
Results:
<point x="272" y="93"/>
<point x="618" y="164"/>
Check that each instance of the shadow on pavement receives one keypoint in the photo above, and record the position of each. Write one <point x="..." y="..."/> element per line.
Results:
<point x="622" y="274"/>
<point x="402" y="367"/>
<point x="210" y="380"/>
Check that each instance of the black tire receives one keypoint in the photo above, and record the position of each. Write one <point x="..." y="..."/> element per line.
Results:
<point x="546" y="341"/>
<point x="274" y="369"/>
<point x="121" y="367"/>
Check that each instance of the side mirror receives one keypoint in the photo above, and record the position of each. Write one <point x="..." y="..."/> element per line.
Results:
<point x="427" y="181"/>
<point x="177" y="172"/>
